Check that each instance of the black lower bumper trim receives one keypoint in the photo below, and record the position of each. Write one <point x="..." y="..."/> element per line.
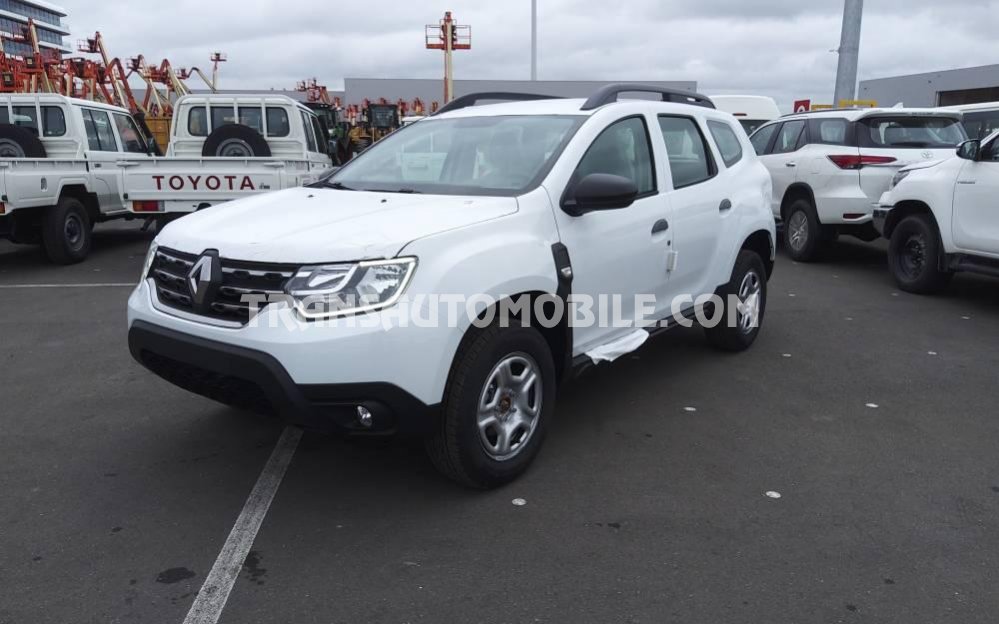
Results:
<point x="253" y="380"/>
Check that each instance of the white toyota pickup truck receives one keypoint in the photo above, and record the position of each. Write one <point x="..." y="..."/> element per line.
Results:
<point x="59" y="169"/>
<point x="448" y="279"/>
<point x="223" y="147"/>
<point x="942" y="217"/>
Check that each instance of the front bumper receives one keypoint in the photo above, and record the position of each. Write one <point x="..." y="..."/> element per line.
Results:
<point x="880" y="217"/>
<point x="255" y="381"/>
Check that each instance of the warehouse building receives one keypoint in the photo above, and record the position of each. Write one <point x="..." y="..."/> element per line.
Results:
<point x="970" y="85"/>
<point x="49" y="23"/>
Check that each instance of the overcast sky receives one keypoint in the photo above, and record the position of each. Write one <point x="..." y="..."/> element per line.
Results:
<point x="769" y="47"/>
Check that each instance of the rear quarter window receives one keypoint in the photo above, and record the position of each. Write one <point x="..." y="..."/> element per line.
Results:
<point x="830" y="131"/>
<point x="277" y="122"/>
<point x="728" y="142"/>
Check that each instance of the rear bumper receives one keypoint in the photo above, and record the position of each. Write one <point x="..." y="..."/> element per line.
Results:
<point x="256" y="381"/>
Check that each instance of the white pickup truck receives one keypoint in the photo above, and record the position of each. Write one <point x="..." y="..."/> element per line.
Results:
<point x="223" y="147"/>
<point x="59" y="172"/>
<point x="943" y="217"/>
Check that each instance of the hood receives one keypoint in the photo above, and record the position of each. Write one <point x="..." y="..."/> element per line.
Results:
<point x="311" y="225"/>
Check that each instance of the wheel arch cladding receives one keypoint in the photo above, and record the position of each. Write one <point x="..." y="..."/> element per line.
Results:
<point x="798" y="190"/>
<point x="760" y="243"/>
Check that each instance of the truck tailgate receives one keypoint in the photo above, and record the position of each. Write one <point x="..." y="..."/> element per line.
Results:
<point x="184" y="185"/>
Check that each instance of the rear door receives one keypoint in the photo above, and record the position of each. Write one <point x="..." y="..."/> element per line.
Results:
<point x="784" y="158"/>
<point x="976" y="203"/>
<point x="889" y="142"/>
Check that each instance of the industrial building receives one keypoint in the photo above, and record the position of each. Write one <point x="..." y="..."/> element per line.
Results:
<point x="49" y="23"/>
<point x="970" y="85"/>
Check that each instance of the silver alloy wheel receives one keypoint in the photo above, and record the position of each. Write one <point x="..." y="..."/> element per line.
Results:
<point x="10" y="149"/>
<point x="750" y="301"/>
<point x="234" y="148"/>
<point x="797" y="228"/>
<point x="510" y="406"/>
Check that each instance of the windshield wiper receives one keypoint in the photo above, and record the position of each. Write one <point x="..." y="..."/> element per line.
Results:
<point x="333" y="185"/>
<point x="405" y="191"/>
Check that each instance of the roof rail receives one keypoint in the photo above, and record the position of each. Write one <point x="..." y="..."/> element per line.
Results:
<point x="474" y="98"/>
<point x="609" y="93"/>
<point x="828" y="110"/>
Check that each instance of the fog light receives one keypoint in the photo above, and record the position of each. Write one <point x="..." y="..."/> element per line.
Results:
<point x="364" y="417"/>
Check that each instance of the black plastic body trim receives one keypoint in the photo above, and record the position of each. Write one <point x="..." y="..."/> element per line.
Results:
<point x="254" y="380"/>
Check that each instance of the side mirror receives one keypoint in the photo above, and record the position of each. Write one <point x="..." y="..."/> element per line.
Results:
<point x="599" y="191"/>
<point x="970" y="150"/>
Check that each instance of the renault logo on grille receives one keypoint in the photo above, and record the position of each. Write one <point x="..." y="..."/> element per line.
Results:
<point x="204" y="279"/>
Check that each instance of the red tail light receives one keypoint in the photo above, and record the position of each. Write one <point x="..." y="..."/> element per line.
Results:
<point x="857" y="161"/>
<point x="146" y="206"/>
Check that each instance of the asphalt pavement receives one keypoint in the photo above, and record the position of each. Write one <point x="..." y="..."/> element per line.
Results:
<point x="843" y="470"/>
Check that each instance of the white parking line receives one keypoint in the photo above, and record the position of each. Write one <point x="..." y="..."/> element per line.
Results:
<point x="207" y="607"/>
<point x="103" y="285"/>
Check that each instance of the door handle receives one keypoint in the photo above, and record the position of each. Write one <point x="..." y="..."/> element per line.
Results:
<point x="725" y="206"/>
<point x="791" y="164"/>
<point x="660" y="226"/>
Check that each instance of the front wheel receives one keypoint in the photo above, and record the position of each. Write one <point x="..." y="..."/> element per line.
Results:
<point x="744" y="302"/>
<point x="499" y="399"/>
<point x="914" y="256"/>
<point x="67" y="232"/>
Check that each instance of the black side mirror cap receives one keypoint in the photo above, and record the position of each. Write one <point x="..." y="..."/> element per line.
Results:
<point x="970" y="150"/>
<point x="599" y="191"/>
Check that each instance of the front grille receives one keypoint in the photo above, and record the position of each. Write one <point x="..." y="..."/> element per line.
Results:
<point x="170" y="270"/>
<point x="227" y="389"/>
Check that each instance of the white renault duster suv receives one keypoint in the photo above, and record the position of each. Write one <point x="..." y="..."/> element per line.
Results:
<point x="646" y="208"/>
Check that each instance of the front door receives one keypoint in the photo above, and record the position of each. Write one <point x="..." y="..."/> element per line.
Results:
<point x="783" y="159"/>
<point x="976" y="203"/>
<point x="617" y="254"/>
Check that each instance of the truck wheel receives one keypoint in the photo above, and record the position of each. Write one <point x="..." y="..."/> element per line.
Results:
<point x="913" y="256"/>
<point x="747" y="291"/>
<point x="18" y="142"/>
<point x="803" y="233"/>
<point x="66" y="232"/>
<point x="499" y="399"/>
<point x="235" y="141"/>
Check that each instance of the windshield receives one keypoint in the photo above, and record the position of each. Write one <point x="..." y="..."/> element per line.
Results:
<point x="752" y="125"/>
<point x="913" y="132"/>
<point x="981" y="124"/>
<point x="502" y="156"/>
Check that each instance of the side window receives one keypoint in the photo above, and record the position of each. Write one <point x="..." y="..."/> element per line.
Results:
<point x="26" y="117"/>
<point x="690" y="160"/>
<point x="990" y="153"/>
<point x="197" y="121"/>
<point x="277" y="122"/>
<point x="761" y="138"/>
<point x="310" y="137"/>
<point x="321" y="135"/>
<point x="829" y="131"/>
<point x="727" y="141"/>
<point x="53" y="121"/>
<point x="252" y="116"/>
<point x="787" y="140"/>
<point x="4" y="114"/>
<point x="622" y="149"/>
<point x="99" y="133"/>
<point x="223" y="115"/>
<point x="129" y="133"/>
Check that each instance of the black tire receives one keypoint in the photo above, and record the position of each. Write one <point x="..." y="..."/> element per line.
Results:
<point x="18" y="142"/>
<point x="458" y="448"/>
<point x="236" y="141"/>
<point x="749" y="277"/>
<point x="66" y="232"/>
<point x="161" y="221"/>
<point x="914" y="256"/>
<point x="803" y="234"/>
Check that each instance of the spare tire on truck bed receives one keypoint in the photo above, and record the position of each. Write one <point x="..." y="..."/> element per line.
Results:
<point x="19" y="142"/>
<point x="235" y="141"/>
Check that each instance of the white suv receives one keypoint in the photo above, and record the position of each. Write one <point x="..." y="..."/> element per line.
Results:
<point x="541" y="205"/>
<point x="830" y="167"/>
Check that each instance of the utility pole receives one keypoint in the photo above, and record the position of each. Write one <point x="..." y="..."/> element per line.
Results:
<point x="849" y="52"/>
<point x="534" y="40"/>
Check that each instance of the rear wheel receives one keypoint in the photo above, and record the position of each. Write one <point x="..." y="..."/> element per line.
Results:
<point x="66" y="232"/>
<point x="747" y="292"/>
<point x="803" y="234"/>
<point x="500" y="396"/>
<point x="914" y="256"/>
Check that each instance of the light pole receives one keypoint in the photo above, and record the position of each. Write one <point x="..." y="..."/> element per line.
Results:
<point x="534" y="40"/>
<point x="849" y="52"/>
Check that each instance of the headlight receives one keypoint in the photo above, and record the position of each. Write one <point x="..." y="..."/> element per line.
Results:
<point x="331" y="290"/>
<point x="901" y="175"/>
<point x="148" y="264"/>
